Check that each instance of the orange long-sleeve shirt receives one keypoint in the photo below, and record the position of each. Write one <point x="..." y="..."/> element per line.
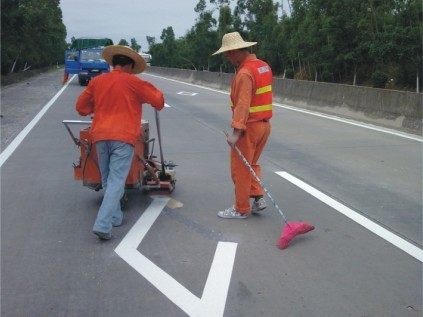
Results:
<point x="116" y="100"/>
<point x="243" y="88"/>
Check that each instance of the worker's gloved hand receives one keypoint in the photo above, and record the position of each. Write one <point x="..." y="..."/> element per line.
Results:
<point x="233" y="138"/>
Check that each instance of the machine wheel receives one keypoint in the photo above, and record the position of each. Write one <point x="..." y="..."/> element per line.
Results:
<point x="123" y="200"/>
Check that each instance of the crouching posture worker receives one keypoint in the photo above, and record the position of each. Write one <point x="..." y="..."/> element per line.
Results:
<point x="115" y="99"/>
<point x="251" y="103"/>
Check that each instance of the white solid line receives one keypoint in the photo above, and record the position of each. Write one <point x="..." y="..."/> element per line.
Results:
<point x="127" y="250"/>
<point x="137" y="233"/>
<point x="165" y="283"/>
<point x="189" y="84"/>
<point x="213" y="300"/>
<point x="354" y="123"/>
<point x="216" y="290"/>
<point x="360" y="219"/>
<point x="21" y="136"/>
<point x="317" y="114"/>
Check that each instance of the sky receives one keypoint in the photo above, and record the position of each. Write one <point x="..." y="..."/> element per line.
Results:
<point x="126" y="19"/>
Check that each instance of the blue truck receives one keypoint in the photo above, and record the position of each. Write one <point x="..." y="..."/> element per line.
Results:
<point x="85" y="59"/>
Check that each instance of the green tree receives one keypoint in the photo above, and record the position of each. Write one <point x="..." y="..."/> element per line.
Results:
<point x="202" y="38"/>
<point x="261" y="21"/>
<point x="11" y="20"/>
<point x="33" y="34"/>
<point x="225" y="21"/>
<point x="134" y="45"/>
<point x="151" y="40"/>
<point x="123" y="42"/>
<point x="165" y="53"/>
<point x="344" y="41"/>
<point x="225" y="25"/>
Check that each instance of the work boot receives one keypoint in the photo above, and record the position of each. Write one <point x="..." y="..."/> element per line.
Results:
<point x="103" y="235"/>
<point x="258" y="206"/>
<point x="231" y="213"/>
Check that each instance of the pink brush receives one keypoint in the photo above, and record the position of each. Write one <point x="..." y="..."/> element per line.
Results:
<point x="292" y="229"/>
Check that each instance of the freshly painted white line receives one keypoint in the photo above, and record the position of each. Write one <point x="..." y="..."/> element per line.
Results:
<point x="317" y="114"/>
<point x="360" y="219"/>
<point x="21" y="136"/>
<point x="137" y="233"/>
<point x="213" y="300"/>
<point x="216" y="289"/>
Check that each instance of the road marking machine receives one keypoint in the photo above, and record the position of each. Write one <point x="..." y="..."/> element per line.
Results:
<point x="146" y="174"/>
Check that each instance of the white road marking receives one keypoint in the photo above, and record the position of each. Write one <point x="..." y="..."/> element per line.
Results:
<point x="22" y="135"/>
<point x="213" y="300"/>
<point x="187" y="93"/>
<point x="360" y="219"/>
<point x="313" y="113"/>
<point x="8" y="151"/>
<point x="189" y="84"/>
<point x="354" y="123"/>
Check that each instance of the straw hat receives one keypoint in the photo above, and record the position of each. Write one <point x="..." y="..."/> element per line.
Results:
<point x="112" y="50"/>
<point x="233" y="41"/>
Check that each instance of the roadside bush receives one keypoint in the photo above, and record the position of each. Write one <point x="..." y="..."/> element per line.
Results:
<point x="289" y="73"/>
<point x="379" y="79"/>
<point x="327" y="76"/>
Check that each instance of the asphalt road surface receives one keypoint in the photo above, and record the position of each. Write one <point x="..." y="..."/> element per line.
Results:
<point x="360" y="186"/>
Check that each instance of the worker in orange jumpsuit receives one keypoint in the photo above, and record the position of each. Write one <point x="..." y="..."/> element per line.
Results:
<point x="251" y="104"/>
<point x="116" y="100"/>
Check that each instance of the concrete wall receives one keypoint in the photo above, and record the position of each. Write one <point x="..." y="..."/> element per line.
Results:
<point x="389" y="108"/>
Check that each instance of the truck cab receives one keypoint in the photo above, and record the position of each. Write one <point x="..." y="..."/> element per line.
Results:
<point x="85" y="59"/>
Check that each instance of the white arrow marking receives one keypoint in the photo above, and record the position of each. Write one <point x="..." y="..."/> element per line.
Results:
<point x="187" y="93"/>
<point x="213" y="300"/>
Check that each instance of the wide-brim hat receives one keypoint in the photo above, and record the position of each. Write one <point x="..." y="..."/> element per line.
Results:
<point x="112" y="50"/>
<point x="233" y="41"/>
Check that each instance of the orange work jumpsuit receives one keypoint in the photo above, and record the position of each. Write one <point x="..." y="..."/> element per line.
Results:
<point x="251" y="98"/>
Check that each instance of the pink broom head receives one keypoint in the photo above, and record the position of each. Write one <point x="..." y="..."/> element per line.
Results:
<point x="291" y="230"/>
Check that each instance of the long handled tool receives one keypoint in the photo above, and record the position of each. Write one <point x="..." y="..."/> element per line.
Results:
<point x="166" y="177"/>
<point x="160" y="141"/>
<point x="292" y="229"/>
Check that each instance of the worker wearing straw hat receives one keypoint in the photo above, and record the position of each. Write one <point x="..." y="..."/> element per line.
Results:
<point x="116" y="100"/>
<point x="251" y="104"/>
